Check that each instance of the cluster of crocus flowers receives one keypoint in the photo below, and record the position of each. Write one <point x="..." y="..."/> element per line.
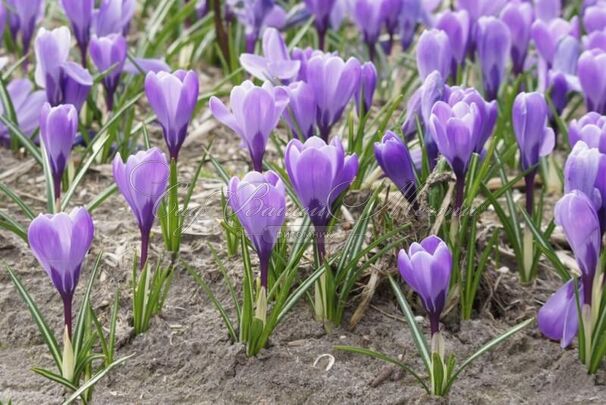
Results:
<point x="60" y="242"/>
<point x="142" y="180"/>
<point x="535" y="140"/>
<point x="22" y="16"/>
<point x="426" y="268"/>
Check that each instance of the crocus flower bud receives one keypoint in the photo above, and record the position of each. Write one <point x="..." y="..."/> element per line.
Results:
<point x="457" y="25"/>
<point x="480" y="8"/>
<point x="493" y="45"/>
<point x="27" y="13"/>
<point x="259" y="201"/>
<point x="591" y="67"/>
<point x="109" y="53"/>
<point x="535" y="138"/>
<point x="434" y="52"/>
<point x="319" y="173"/>
<point x="76" y="83"/>
<point x="368" y="16"/>
<point x="394" y="159"/>
<point x="275" y="64"/>
<point x="594" y="18"/>
<point x="591" y="129"/>
<point x="518" y="16"/>
<point x="58" y="126"/>
<point x="321" y="9"/>
<point x="558" y="317"/>
<point x="80" y="15"/>
<point x="113" y="17"/>
<point x="548" y="10"/>
<point x="334" y="82"/>
<point x="456" y="130"/>
<point x="301" y="112"/>
<point x="255" y="15"/>
<point x="142" y="182"/>
<point x="60" y="243"/>
<point x="585" y="170"/>
<point x="255" y="113"/>
<point x="547" y="35"/>
<point x="366" y="87"/>
<point x="27" y="105"/>
<point x="52" y="51"/>
<point x="409" y="19"/>
<point x="426" y="268"/>
<point x="390" y="13"/>
<point x="173" y="98"/>
<point x="576" y="214"/>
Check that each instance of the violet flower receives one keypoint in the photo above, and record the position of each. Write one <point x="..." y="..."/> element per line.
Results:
<point x="594" y="18"/>
<point x="76" y="83"/>
<point x="52" y="51"/>
<point x="321" y="9"/>
<point x="275" y="64"/>
<point x="558" y="317"/>
<point x="58" y="127"/>
<point x="366" y="88"/>
<point x="255" y="15"/>
<point x="259" y="201"/>
<point x="426" y="268"/>
<point x="80" y="15"/>
<point x="585" y="170"/>
<point x="493" y="45"/>
<point x="434" y="52"/>
<point x="547" y="35"/>
<point x="562" y="77"/>
<point x="548" y="10"/>
<point x="590" y="71"/>
<point x="109" y="54"/>
<point x="334" y="82"/>
<point x="457" y="25"/>
<point x="304" y="56"/>
<point x="27" y="104"/>
<point x="368" y="15"/>
<point x="173" y="97"/>
<point x="60" y="243"/>
<point x="301" y="112"/>
<point x="113" y="17"/>
<point x="394" y="159"/>
<point x="518" y="16"/>
<point x="391" y="11"/>
<point x="576" y="214"/>
<point x="142" y="181"/>
<point x="409" y="19"/>
<point x="319" y="173"/>
<point x="535" y="138"/>
<point x="591" y="129"/>
<point x="26" y="15"/>
<point x="255" y="113"/>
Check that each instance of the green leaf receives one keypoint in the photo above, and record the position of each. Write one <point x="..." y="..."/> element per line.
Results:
<point x="17" y="200"/>
<point x="417" y="335"/>
<point x="55" y="377"/>
<point x="100" y="199"/>
<point x="385" y="358"/>
<point x="47" y="335"/>
<point x="11" y="225"/>
<point x="487" y="347"/>
<point x="80" y="320"/>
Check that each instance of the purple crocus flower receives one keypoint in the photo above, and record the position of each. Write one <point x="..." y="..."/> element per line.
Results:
<point x="558" y="317"/>
<point x="27" y="13"/>
<point x="576" y="214"/>
<point x="255" y="15"/>
<point x="518" y="16"/>
<point x="321" y="9"/>
<point x="434" y="52"/>
<point x="368" y="15"/>
<point x="562" y="77"/>
<point x="535" y="138"/>
<point x="493" y="45"/>
<point x="366" y="88"/>
<point x="394" y="159"/>
<point x="481" y="8"/>
<point x="457" y="25"/>
<point x="255" y="113"/>
<point x="80" y="16"/>
<point x="52" y="51"/>
<point x="409" y="19"/>
<point x="426" y="268"/>
<point x="548" y="10"/>
<point x="109" y="54"/>
<point x="173" y="98"/>
<point x="60" y="243"/>
<point x="76" y="83"/>
<point x="319" y="173"/>
<point x="390" y="12"/>
<point x="113" y="17"/>
<point x="304" y="56"/>
<point x="547" y="35"/>
<point x="142" y="181"/>
<point x="591" y="129"/>
<point x="594" y="18"/>
<point x="259" y="201"/>
<point x="591" y="76"/>
<point x="27" y="105"/>
<point x="58" y="127"/>
<point x="275" y="64"/>
<point x="334" y="82"/>
<point x="301" y="112"/>
<point x="585" y="170"/>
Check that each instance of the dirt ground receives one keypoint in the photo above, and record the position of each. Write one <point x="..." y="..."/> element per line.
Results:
<point x="186" y="357"/>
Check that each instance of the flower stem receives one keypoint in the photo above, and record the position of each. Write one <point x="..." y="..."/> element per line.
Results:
<point x="67" y="313"/>
<point x="144" y="248"/>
